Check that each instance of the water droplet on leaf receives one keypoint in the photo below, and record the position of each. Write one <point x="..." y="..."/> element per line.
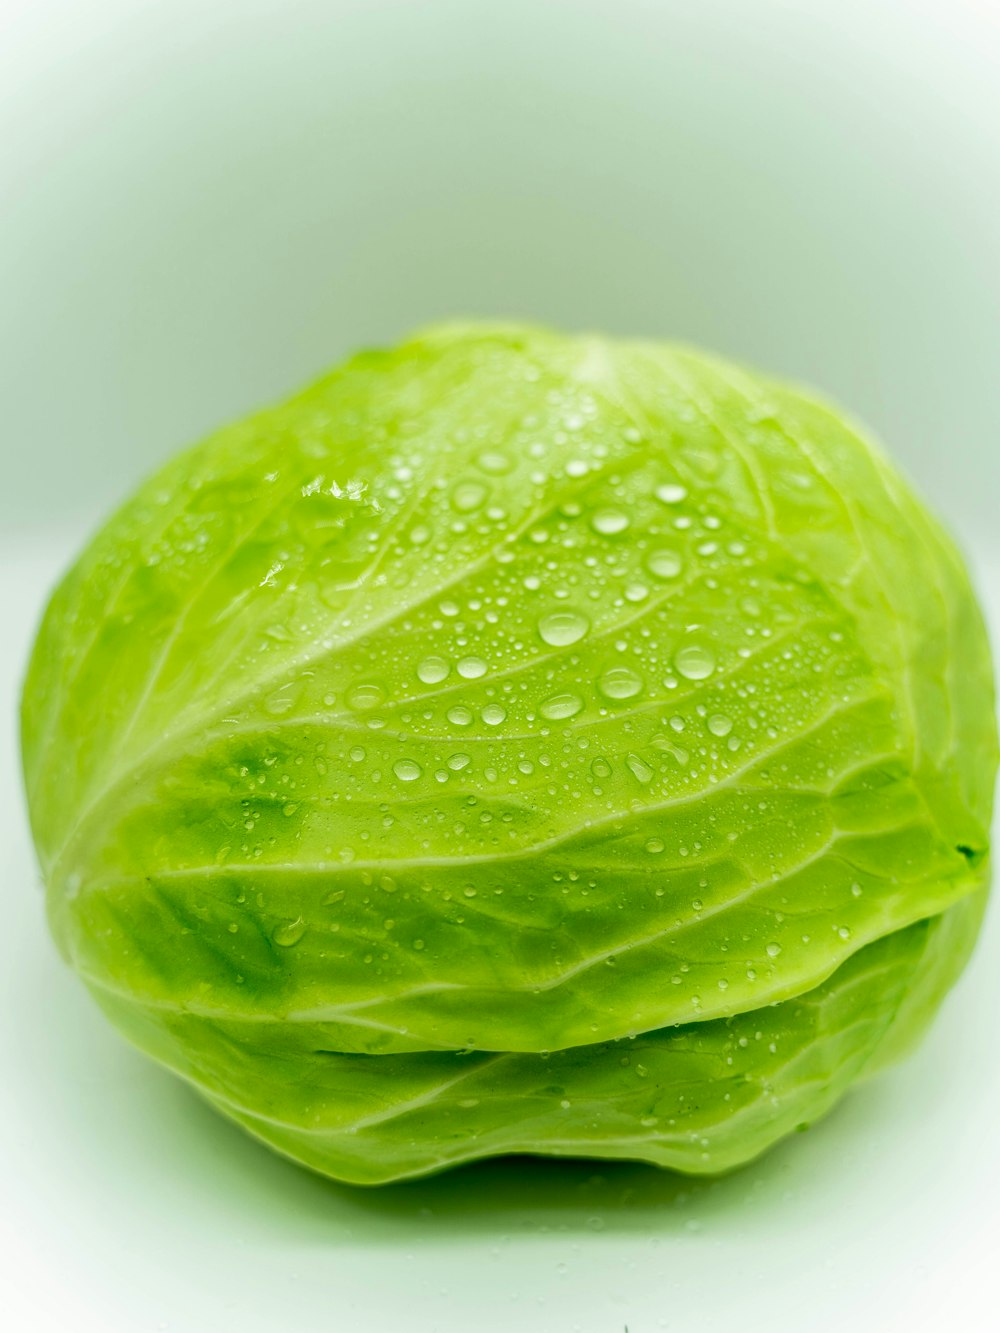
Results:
<point x="471" y="668"/>
<point x="433" y="669"/>
<point x="562" y="628"/>
<point x="468" y="495"/>
<point x="561" y="706"/>
<point x="279" y="701"/>
<point x="695" y="662"/>
<point x="638" y="768"/>
<point x="664" y="563"/>
<point x="609" y="522"/>
<point x="364" y="696"/>
<point x="619" y="682"/>
<point x="289" y="932"/>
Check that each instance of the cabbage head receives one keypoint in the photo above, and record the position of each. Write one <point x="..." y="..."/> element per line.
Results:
<point x="517" y="743"/>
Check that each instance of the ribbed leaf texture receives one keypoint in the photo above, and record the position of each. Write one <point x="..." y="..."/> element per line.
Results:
<point x="518" y="742"/>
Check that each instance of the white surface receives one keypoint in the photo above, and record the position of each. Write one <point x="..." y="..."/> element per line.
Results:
<point x="203" y="203"/>
<point x="127" y="1205"/>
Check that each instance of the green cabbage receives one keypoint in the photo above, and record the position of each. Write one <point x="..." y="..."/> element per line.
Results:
<point x="517" y="742"/>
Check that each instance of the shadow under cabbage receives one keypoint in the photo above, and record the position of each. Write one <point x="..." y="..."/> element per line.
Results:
<point x="503" y="1197"/>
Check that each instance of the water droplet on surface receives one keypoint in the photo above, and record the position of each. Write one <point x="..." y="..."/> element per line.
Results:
<point x="620" y="682"/>
<point x="288" y="933"/>
<point x="471" y="668"/>
<point x="460" y="716"/>
<point x="671" y="493"/>
<point x="773" y="950"/>
<point x="468" y="495"/>
<point x="433" y="669"/>
<point x="364" y="696"/>
<point x="638" y="768"/>
<point x="407" y="770"/>
<point x="719" y="724"/>
<point x="561" y="706"/>
<point x="609" y="522"/>
<point x="664" y="563"/>
<point x="458" y="761"/>
<point x="495" y="464"/>
<point x="695" y="662"/>
<point x="279" y="701"/>
<point x="654" y="845"/>
<point x="562" y="628"/>
<point x="493" y="714"/>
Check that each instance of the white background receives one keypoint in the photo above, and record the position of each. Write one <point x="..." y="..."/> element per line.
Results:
<point x="202" y="205"/>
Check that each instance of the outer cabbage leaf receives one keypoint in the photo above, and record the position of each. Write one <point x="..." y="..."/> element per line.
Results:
<point x="508" y="692"/>
<point x="700" y="1098"/>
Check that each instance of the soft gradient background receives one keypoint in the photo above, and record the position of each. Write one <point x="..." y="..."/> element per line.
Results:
<point x="205" y="202"/>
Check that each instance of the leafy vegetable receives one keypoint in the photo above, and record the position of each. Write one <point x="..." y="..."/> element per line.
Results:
<point x="517" y="743"/>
